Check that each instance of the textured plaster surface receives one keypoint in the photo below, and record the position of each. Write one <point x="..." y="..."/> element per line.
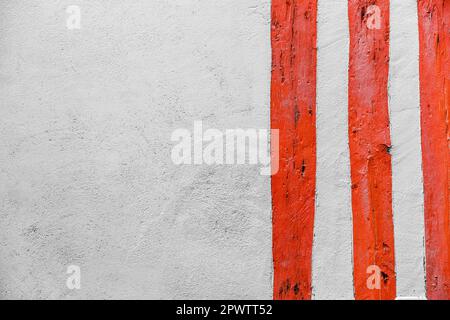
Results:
<point x="332" y="247"/>
<point x="407" y="182"/>
<point x="85" y="168"/>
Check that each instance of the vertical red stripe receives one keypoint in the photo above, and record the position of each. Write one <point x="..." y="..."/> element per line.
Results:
<point x="293" y="112"/>
<point x="369" y="139"/>
<point x="434" y="26"/>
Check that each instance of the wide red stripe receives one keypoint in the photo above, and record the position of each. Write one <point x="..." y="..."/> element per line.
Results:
<point x="369" y="140"/>
<point x="434" y="26"/>
<point x="293" y="112"/>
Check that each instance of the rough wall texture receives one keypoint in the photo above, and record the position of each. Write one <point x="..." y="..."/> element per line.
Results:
<point x="407" y="181"/>
<point x="85" y="163"/>
<point x="332" y="276"/>
<point x="86" y="172"/>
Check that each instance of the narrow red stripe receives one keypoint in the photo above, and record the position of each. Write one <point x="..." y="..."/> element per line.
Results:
<point x="369" y="139"/>
<point x="293" y="112"/>
<point x="434" y="25"/>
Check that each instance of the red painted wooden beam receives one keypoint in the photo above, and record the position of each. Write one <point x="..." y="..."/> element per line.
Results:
<point x="293" y="112"/>
<point x="434" y="38"/>
<point x="369" y="140"/>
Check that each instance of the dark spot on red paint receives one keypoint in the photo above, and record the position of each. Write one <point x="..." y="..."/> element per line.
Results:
<point x="385" y="276"/>
<point x="303" y="168"/>
<point x="285" y="287"/>
<point x="307" y="15"/>
<point x="386" y="148"/>
<point x="354" y="186"/>
<point x="363" y="13"/>
<point x="288" y="285"/>
<point x="283" y="77"/>
<point x="296" y="289"/>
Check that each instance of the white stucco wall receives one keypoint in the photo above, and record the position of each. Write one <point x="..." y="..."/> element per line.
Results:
<point x="332" y="251"/>
<point x="85" y="165"/>
<point x="407" y="182"/>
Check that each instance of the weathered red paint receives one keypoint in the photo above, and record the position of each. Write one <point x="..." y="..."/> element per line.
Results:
<point x="369" y="140"/>
<point x="434" y="38"/>
<point x="293" y="112"/>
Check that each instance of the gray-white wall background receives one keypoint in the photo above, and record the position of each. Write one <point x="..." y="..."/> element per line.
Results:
<point x="85" y="168"/>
